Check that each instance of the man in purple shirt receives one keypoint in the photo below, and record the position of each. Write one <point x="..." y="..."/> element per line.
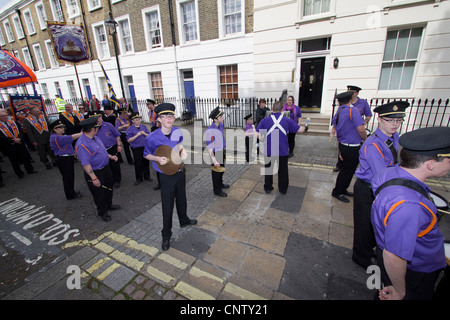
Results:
<point x="62" y="148"/>
<point x="410" y="246"/>
<point x="136" y="135"/>
<point x="111" y="140"/>
<point x="276" y="147"/>
<point x="216" y="145"/>
<point x="378" y="152"/>
<point x="350" y="132"/>
<point x="95" y="161"/>
<point x="173" y="186"/>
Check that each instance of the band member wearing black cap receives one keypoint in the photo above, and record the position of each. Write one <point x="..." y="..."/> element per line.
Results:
<point x="378" y="152"/>
<point x="108" y="114"/>
<point x="62" y="147"/>
<point x="123" y="122"/>
<point x="173" y="186"/>
<point x="364" y="109"/>
<point x="95" y="161"/>
<point x="350" y="132"/>
<point x="215" y="143"/>
<point x="136" y="138"/>
<point x="249" y="132"/>
<point x="152" y="114"/>
<point x="410" y="246"/>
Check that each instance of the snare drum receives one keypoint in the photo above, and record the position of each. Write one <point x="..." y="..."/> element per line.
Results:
<point x="440" y="202"/>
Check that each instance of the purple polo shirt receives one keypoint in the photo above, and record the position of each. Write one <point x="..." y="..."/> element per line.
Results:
<point x="408" y="217"/>
<point x="349" y="120"/>
<point x="61" y="145"/>
<point x="279" y="147"/>
<point x="108" y="134"/>
<point x="375" y="155"/>
<point x="157" y="138"/>
<point x="90" y="151"/>
<point x="215" y="137"/>
<point x="121" y="122"/>
<point x="292" y="115"/>
<point x="139" y="141"/>
<point x="363" y="107"/>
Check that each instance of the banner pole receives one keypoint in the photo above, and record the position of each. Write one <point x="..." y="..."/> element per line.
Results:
<point x="78" y="79"/>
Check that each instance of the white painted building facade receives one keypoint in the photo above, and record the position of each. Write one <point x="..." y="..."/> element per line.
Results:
<point x="389" y="48"/>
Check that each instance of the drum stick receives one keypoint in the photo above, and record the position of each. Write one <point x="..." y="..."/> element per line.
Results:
<point x="104" y="187"/>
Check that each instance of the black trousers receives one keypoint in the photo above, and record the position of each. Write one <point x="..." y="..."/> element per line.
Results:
<point x="141" y="165"/>
<point x="363" y="234"/>
<point x="19" y="154"/>
<point x="115" y="165"/>
<point x="419" y="285"/>
<point x="350" y="156"/>
<point x="217" y="177"/>
<point x="291" y="140"/>
<point x="102" y="195"/>
<point x="44" y="150"/>
<point x="283" y="173"/>
<point x="66" y="168"/>
<point x="126" y="147"/>
<point x="173" y="191"/>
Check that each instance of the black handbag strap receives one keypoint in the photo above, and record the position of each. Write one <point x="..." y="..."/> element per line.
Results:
<point x="405" y="183"/>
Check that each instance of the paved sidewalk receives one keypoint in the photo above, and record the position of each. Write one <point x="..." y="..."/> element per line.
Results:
<point x="250" y="245"/>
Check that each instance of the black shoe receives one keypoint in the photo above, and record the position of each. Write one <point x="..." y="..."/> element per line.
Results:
<point x="221" y="194"/>
<point x="165" y="245"/>
<point x="148" y="178"/>
<point x="157" y="187"/>
<point x="137" y="182"/>
<point x="21" y="175"/>
<point x="337" y="169"/>
<point x="48" y="166"/>
<point x="290" y="155"/>
<point x="116" y="185"/>
<point x="105" y="217"/>
<point x="190" y="223"/>
<point x="225" y="186"/>
<point x="32" y="172"/>
<point x="348" y="194"/>
<point x="77" y="195"/>
<point x="341" y="197"/>
<point x="114" y="207"/>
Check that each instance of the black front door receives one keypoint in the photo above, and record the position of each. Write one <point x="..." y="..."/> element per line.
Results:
<point x="311" y="83"/>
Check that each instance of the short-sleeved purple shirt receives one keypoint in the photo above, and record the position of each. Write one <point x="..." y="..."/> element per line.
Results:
<point x="400" y="217"/>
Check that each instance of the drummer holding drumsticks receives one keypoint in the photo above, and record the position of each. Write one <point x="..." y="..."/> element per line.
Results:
<point x="378" y="152"/>
<point x="173" y="183"/>
<point x="410" y="246"/>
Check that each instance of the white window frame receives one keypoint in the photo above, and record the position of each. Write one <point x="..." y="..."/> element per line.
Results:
<point x="29" y="21"/>
<point x="107" y="54"/>
<point x="51" y="54"/>
<point x="27" y="57"/>
<point x="18" y="26"/>
<point x="181" y="30"/>
<point x="72" y="89"/>
<point x="148" y="39"/>
<point x="73" y="9"/>
<point x="221" y="19"/>
<point x="41" y="14"/>
<point x="56" y="11"/>
<point x="404" y="60"/>
<point x="120" y="34"/>
<point x="39" y="56"/>
<point x="8" y="30"/>
<point x="44" y="90"/>
<point x="92" y="6"/>
<point x="317" y="16"/>
<point x="2" y="38"/>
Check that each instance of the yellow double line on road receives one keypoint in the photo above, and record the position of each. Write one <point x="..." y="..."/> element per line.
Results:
<point x="181" y="287"/>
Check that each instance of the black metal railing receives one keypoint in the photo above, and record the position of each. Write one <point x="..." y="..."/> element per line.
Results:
<point x="421" y="113"/>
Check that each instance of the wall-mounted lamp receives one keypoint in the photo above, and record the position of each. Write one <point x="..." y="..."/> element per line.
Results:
<point x="335" y="62"/>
